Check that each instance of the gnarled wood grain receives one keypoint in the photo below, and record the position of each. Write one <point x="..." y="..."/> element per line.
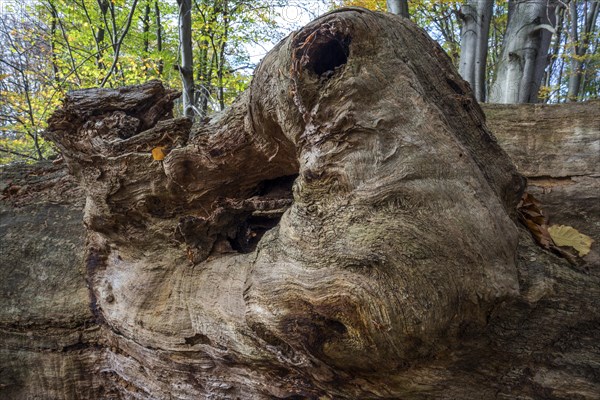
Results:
<point x="334" y="234"/>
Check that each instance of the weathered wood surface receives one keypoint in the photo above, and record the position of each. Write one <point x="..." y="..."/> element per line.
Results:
<point x="46" y="327"/>
<point x="391" y="268"/>
<point x="557" y="147"/>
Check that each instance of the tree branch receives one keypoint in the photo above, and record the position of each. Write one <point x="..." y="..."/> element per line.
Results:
<point x="119" y="43"/>
<point x="16" y="153"/>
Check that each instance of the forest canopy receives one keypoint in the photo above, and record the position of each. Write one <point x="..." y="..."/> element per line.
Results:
<point x="53" y="46"/>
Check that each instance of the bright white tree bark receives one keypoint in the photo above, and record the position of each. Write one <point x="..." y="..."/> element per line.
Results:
<point x="186" y="69"/>
<point x="525" y="51"/>
<point x="476" y="16"/>
<point x="399" y="7"/>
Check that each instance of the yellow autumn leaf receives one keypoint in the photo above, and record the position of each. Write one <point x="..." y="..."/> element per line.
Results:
<point x="158" y="153"/>
<point x="564" y="235"/>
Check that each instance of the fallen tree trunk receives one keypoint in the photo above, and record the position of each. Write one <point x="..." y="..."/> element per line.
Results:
<point x="332" y="235"/>
<point x="557" y="147"/>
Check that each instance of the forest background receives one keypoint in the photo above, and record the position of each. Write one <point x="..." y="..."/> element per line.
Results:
<point x="516" y="51"/>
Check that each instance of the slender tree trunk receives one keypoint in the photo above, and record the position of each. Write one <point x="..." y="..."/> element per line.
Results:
<point x="159" y="39"/>
<point x="589" y="81"/>
<point x="560" y="81"/>
<point x="118" y="38"/>
<point x="580" y="44"/>
<point x="220" y="77"/>
<point x="204" y="76"/>
<point x="54" y="57"/>
<point x="100" y="35"/>
<point x="146" y="27"/>
<point x="555" y="55"/>
<point x="207" y="61"/>
<point x="221" y="58"/>
<point x="32" y="129"/>
<point x="497" y="32"/>
<point x="399" y="7"/>
<point x="186" y="68"/>
<point x="476" y="16"/>
<point x="524" y="51"/>
<point x="74" y="67"/>
<point x="574" y="81"/>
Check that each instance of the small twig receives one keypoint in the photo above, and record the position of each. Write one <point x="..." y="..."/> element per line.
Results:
<point x="16" y="153"/>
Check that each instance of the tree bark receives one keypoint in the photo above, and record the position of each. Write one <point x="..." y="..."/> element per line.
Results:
<point x="554" y="57"/>
<point x="476" y="16"/>
<point x="159" y="39"/>
<point x="331" y="235"/>
<point x="580" y="44"/>
<point x="399" y="7"/>
<point x="556" y="148"/>
<point x="186" y="69"/>
<point x="524" y="51"/>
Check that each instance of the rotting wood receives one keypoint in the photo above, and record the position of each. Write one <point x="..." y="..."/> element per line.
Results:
<point x="393" y="269"/>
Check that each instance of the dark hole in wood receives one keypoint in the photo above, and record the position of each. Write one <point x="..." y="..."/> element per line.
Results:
<point x="252" y="229"/>
<point x="336" y="326"/>
<point x="327" y="54"/>
<point x="197" y="339"/>
<point x="281" y="186"/>
<point x="250" y="232"/>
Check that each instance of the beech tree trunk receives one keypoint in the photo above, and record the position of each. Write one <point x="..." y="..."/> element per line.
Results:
<point x="399" y="7"/>
<point x="186" y="69"/>
<point x="580" y="42"/>
<point x="332" y="235"/>
<point x="524" y="51"/>
<point x="476" y="16"/>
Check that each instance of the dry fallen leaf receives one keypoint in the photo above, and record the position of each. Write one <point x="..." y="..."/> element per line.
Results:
<point x="532" y="216"/>
<point x="564" y="235"/>
<point x="158" y="153"/>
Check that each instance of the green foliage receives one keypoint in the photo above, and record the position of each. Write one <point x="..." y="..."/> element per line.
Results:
<point x="90" y="36"/>
<point x="24" y="102"/>
<point x="58" y="45"/>
<point x="375" y="5"/>
<point x="574" y="50"/>
<point x="222" y="31"/>
<point x="440" y="20"/>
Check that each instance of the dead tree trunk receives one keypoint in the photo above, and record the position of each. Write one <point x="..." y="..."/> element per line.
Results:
<point x="334" y="234"/>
